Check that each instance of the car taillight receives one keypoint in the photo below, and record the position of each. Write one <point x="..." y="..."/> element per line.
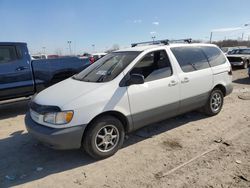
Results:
<point x="91" y="59"/>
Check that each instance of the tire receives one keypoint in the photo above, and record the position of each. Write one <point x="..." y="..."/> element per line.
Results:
<point x="99" y="141"/>
<point x="214" y="103"/>
<point x="245" y="65"/>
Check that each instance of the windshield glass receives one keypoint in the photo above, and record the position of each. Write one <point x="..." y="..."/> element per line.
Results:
<point x="240" y="51"/>
<point x="107" y="68"/>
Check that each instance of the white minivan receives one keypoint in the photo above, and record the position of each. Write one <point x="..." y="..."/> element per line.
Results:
<point x="126" y="90"/>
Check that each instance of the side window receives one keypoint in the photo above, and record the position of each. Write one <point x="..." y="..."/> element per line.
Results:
<point x="19" y="52"/>
<point x="214" y="55"/>
<point x="245" y="51"/>
<point x="190" y="58"/>
<point x="153" y="66"/>
<point x="7" y="53"/>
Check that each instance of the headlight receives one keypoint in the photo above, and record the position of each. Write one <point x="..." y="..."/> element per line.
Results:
<point x="58" y="118"/>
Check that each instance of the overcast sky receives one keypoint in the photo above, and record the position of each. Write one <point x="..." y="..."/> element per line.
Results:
<point x="51" y="23"/>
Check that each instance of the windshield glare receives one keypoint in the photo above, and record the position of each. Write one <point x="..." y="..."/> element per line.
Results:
<point x="107" y="68"/>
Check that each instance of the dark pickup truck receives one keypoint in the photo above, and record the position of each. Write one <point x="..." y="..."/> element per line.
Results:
<point x="22" y="77"/>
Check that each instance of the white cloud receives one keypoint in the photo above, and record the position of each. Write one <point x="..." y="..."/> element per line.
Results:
<point x="155" y="23"/>
<point x="137" y="21"/>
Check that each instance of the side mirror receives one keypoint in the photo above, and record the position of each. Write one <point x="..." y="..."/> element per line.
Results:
<point x="135" y="79"/>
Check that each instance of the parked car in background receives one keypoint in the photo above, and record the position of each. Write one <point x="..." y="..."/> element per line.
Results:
<point x="39" y="56"/>
<point x="239" y="57"/>
<point x="97" y="56"/>
<point x="21" y="77"/>
<point x="138" y="86"/>
<point x="87" y="56"/>
<point x="227" y="50"/>
<point x="53" y="56"/>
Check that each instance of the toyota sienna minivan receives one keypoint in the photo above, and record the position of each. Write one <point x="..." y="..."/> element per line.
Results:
<point x="126" y="90"/>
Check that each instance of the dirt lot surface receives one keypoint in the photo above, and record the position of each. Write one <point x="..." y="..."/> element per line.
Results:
<point x="191" y="150"/>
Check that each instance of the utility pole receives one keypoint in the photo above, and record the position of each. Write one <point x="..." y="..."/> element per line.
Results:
<point x="43" y="49"/>
<point x="93" y="46"/>
<point x="69" y="43"/>
<point x="211" y="36"/>
<point x="153" y="38"/>
<point x="242" y="36"/>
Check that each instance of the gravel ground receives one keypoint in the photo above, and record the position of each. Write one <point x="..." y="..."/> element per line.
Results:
<point x="191" y="150"/>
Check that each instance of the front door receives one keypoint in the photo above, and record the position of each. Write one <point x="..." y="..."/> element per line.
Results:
<point x="158" y="97"/>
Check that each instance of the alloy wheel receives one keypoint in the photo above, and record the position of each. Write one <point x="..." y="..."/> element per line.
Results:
<point x="107" y="138"/>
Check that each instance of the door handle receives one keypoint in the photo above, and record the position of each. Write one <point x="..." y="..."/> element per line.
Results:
<point x="172" y="83"/>
<point x="185" y="80"/>
<point x="21" y="68"/>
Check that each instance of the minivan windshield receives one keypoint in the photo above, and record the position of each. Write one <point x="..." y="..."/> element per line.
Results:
<point x="240" y="51"/>
<point x="108" y="67"/>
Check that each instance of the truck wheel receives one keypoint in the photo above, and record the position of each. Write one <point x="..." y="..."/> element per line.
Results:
<point x="104" y="137"/>
<point x="214" y="103"/>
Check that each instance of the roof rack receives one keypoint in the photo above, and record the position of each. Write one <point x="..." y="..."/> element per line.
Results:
<point x="164" y="42"/>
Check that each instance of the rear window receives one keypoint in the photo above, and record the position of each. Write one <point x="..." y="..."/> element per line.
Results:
<point x="7" y="53"/>
<point x="214" y="55"/>
<point x="190" y="58"/>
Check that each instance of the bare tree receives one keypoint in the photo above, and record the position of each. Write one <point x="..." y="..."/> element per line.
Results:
<point x="232" y="43"/>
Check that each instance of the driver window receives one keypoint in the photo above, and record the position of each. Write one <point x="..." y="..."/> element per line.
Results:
<point x="153" y="66"/>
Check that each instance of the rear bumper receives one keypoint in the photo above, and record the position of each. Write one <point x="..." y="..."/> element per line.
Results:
<point x="67" y="138"/>
<point x="229" y="89"/>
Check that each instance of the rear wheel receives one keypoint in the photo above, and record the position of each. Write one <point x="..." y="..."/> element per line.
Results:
<point x="104" y="137"/>
<point x="214" y="103"/>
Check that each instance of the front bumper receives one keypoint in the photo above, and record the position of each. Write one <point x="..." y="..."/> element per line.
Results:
<point x="64" y="138"/>
<point x="237" y="63"/>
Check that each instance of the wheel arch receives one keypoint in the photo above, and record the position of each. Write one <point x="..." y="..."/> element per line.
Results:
<point x="222" y="88"/>
<point x="124" y="120"/>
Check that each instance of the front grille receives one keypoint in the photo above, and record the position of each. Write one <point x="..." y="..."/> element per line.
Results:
<point x="234" y="59"/>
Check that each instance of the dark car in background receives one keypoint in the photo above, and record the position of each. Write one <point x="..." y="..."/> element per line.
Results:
<point x="239" y="57"/>
<point x="97" y="56"/>
<point x="21" y="77"/>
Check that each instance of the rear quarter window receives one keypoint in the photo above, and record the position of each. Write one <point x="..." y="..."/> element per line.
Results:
<point x="214" y="55"/>
<point x="190" y="58"/>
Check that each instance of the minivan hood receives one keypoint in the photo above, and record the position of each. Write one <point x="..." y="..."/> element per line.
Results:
<point x="64" y="92"/>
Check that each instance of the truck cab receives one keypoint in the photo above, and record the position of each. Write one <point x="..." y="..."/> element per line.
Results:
<point x="16" y="77"/>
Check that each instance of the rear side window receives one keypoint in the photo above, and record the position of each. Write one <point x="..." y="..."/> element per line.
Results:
<point x="7" y="53"/>
<point x="153" y="66"/>
<point x="190" y="58"/>
<point x="214" y="55"/>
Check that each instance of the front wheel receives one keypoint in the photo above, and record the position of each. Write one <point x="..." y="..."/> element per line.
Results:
<point x="214" y="103"/>
<point x="104" y="137"/>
